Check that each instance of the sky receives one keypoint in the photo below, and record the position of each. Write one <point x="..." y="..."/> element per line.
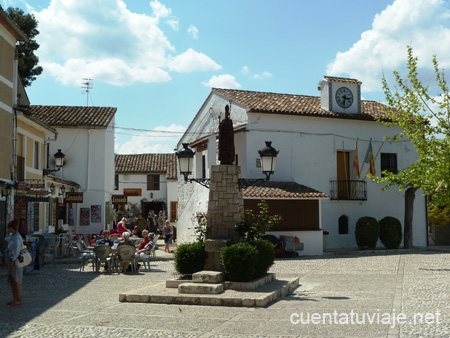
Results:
<point x="156" y="61"/>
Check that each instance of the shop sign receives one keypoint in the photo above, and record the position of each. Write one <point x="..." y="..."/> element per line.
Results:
<point x="38" y="192"/>
<point x="38" y="186"/>
<point x="119" y="199"/>
<point x="23" y="186"/>
<point x="74" y="197"/>
<point x="132" y="192"/>
<point x="36" y="199"/>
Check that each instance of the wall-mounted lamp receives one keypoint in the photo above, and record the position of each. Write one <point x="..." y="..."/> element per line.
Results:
<point x="6" y="191"/>
<point x="62" y="190"/>
<point x="59" y="162"/>
<point x="72" y="189"/>
<point x="151" y="195"/>
<point x="52" y="188"/>
<point x="268" y="156"/>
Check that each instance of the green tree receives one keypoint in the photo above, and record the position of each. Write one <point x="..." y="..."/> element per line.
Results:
<point x="28" y="69"/>
<point x="425" y="119"/>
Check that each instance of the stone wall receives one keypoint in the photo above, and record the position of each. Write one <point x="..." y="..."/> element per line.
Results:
<point x="225" y="202"/>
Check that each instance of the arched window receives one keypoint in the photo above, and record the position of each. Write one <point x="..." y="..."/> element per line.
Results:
<point x="343" y="225"/>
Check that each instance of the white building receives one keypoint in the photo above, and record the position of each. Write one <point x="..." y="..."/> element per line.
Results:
<point x="316" y="139"/>
<point x="149" y="181"/>
<point x="86" y="137"/>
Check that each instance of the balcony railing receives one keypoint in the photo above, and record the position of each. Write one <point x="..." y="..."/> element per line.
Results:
<point x="348" y="190"/>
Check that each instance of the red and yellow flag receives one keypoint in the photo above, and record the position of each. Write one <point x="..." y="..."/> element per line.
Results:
<point x="369" y="159"/>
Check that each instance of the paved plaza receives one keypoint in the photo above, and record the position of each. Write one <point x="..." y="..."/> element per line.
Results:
<point x="339" y="296"/>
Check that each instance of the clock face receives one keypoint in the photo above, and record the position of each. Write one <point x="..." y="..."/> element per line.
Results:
<point x="344" y="97"/>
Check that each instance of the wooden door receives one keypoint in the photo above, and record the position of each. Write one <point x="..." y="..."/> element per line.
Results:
<point x="343" y="174"/>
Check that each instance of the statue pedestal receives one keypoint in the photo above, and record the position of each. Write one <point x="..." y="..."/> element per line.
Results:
<point x="225" y="207"/>
<point x="212" y="247"/>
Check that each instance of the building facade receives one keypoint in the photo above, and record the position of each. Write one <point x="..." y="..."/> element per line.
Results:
<point x="148" y="182"/>
<point x="316" y="138"/>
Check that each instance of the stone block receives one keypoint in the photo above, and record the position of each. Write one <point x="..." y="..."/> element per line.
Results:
<point x="200" y="288"/>
<point x="207" y="277"/>
<point x="214" y="245"/>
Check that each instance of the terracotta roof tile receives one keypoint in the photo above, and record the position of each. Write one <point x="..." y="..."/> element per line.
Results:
<point x="281" y="190"/>
<point x="342" y="79"/>
<point x="73" y="116"/>
<point x="147" y="163"/>
<point x="264" y="102"/>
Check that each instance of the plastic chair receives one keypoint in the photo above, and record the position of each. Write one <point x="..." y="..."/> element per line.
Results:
<point x="84" y="256"/>
<point x="51" y="247"/>
<point x="102" y="254"/>
<point x="152" y="251"/>
<point x="125" y="254"/>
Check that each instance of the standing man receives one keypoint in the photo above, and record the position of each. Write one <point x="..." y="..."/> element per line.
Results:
<point x="141" y="222"/>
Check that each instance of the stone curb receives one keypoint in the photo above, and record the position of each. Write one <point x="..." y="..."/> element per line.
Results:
<point x="244" y="299"/>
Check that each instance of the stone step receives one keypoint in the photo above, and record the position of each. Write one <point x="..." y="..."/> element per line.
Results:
<point x="200" y="288"/>
<point x="207" y="277"/>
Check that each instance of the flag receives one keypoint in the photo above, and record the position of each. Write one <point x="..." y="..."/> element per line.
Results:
<point x="369" y="159"/>
<point x="356" y="160"/>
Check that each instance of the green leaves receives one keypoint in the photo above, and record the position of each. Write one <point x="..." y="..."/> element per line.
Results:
<point x="423" y="113"/>
<point x="252" y="226"/>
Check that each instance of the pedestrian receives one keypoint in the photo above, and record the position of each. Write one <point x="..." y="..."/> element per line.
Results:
<point x="23" y="229"/>
<point x="168" y="232"/>
<point x="15" y="274"/>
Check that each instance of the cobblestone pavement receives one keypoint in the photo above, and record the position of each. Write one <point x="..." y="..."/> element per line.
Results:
<point x="334" y="291"/>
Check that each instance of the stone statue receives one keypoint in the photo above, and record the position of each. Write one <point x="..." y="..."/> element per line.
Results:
<point x="226" y="139"/>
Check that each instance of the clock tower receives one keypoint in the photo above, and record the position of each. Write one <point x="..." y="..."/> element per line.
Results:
<point x="340" y="95"/>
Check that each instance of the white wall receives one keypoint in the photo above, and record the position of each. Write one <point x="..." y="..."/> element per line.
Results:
<point x="89" y="162"/>
<point x="308" y="148"/>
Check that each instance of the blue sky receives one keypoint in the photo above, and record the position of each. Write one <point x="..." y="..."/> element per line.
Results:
<point x="156" y="61"/>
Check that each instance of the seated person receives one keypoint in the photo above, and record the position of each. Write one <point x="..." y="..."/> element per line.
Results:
<point x="147" y="244"/>
<point x="105" y="239"/>
<point x="137" y="232"/>
<point x="125" y="241"/>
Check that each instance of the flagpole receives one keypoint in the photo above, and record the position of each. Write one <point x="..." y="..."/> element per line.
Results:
<point x="364" y="178"/>
<point x="345" y="168"/>
<point x="365" y="155"/>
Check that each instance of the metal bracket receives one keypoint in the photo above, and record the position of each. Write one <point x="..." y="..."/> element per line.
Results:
<point x="201" y="181"/>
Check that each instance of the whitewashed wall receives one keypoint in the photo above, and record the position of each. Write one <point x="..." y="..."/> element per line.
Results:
<point x="89" y="162"/>
<point x="308" y="147"/>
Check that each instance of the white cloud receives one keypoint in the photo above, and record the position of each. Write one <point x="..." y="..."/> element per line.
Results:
<point x="222" y="81"/>
<point x="159" y="10"/>
<point x="423" y="24"/>
<point x="102" y="39"/>
<point x="174" y="23"/>
<point x="162" y="139"/>
<point x="193" y="31"/>
<point x="245" y="70"/>
<point x="262" y="76"/>
<point x="192" y="61"/>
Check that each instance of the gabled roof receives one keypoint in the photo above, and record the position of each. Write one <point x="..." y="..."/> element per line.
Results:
<point x="11" y="26"/>
<point x="73" y="116"/>
<point x="281" y="190"/>
<point x="147" y="163"/>
<point x="263" y="102"/>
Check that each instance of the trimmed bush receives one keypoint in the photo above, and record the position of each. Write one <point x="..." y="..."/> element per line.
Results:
<point x="367" y="232"/>
<point x="390" y="232"/>
<point x="190" y="258"/>
<point x="239" y="261"/>
<point x="266" y="257"/>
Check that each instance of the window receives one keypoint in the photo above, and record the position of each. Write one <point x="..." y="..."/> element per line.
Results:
<point x="389" y="162"/>
<point x="343" y="225"/>
<point x="20" y="168"/>
<point x="116" y="182"/>
<point x="152" y="182"/>
<point x="36" y="155"/>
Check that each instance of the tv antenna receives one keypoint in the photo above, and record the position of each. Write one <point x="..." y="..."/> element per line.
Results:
<point x="87" y="85"/>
